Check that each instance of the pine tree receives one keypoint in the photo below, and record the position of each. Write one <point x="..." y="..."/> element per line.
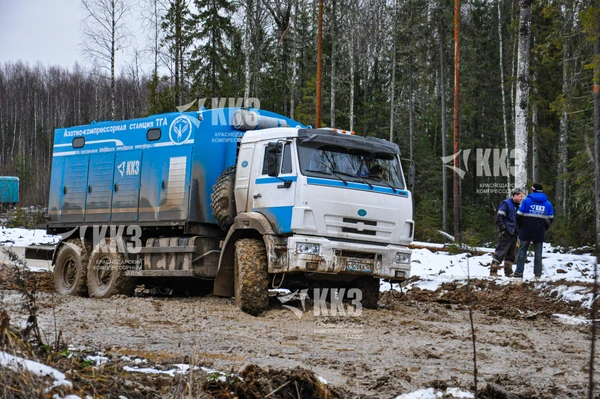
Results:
<point x="215" y="33"/>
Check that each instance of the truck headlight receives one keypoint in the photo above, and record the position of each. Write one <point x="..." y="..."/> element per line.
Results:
<point x="307" y="248"/>
<point x="402" y="257"/>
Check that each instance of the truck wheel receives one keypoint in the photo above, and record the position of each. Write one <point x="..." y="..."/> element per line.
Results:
<point x="71" y="268"/>
<point x="106" y="272"/>
<point x="251" y="279"/>
<point x="370" y="291"/>
<point x="222" y="201"/>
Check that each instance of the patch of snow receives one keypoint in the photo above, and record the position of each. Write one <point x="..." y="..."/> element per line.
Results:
<point x="25" y="237"/>
<point x="57" y="396"/>
<point x="97" y="359"/>
<point x="571" y="320"/>
<point x="457" y="393"/>
<point x="430" y="393"/>
<point x="179" y="369"/>
<point x="420" y="394"/>
<point x="322" y="380"/>
<point x="17" y="363"/>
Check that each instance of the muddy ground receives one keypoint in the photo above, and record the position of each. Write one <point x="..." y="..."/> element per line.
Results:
<point x="419" y="340"/>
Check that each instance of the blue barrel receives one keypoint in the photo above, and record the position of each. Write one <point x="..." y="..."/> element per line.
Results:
<point x="9" y="190"/>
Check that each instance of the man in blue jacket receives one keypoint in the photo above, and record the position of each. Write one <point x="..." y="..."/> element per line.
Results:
<point x="534" y="217"/>
<point x="506" y="220"/>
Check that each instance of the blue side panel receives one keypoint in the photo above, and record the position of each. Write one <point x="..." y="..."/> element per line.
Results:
<point x="75" y="188"/>
<point x="126" y="192"/>
<point x="100" y="187"/>
<point x="152" y="162"/>
<point x="9" y="189"/>
<point x="56" y="189"/>
<point x="279" y="216"/>
<point x="356" y="186"/>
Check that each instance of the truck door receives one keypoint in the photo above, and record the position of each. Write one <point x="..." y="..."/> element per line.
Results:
<point x="100" y="187"/>
<point x="126" y="187"/>
<point x="272" y="196"/>
<point x="74" y="188"/>
<point x="175" y="184"/>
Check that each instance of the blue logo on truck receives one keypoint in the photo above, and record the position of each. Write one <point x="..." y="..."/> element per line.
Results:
<point x="180" y="130"/>
<point x="362" y="212"/>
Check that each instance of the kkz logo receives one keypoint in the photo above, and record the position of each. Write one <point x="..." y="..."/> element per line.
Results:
<point x="537" y="209"/>
<point x="501" y="162"/>
<point x="129" y="168"/>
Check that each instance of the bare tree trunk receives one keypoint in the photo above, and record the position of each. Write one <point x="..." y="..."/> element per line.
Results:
<point x="112" y="62"/>
<point x="563" y="132"/>
<point x="504" y="121"/>
<point x="597" y="140"/>
<point x="457" y="199"/>
<point x="333" y="59"/>
<point x="294" y="62"/>
<point x="513" y="71"/>
<point x="535" y="156"/>
<point x="393" y="85"/>
<point x="352" y="80"/>
<point x="247" y="52"/>
<point x="410" y="84"/>
<point x="444" y="135"/>
<point x="522" y="99"/>
<point x="319" y="65"/>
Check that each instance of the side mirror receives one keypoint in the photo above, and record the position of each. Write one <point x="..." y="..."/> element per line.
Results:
<point x="273" y="157"/>
<point x="411" y="175"/>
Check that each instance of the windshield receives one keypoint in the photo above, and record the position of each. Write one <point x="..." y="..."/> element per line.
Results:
<point x="320" y="160"/>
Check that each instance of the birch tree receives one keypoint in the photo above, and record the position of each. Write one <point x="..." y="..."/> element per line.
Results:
<point x="502" y="91"/>
<point x="522" y="97"/>
<point x="104" y="34"/>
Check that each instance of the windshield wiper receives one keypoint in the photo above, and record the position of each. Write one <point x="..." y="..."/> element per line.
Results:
<point x="338" y="173"/>
<point x="387" y="184"/>
<point x="335" y="173"/>
<point x="366" y="182"/>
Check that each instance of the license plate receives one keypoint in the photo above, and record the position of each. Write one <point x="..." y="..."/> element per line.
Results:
<point x="352" y="266"/>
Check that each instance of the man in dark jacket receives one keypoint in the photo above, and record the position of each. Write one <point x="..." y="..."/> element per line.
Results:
<point x="506" y="220"/>
<point x="534" y="217"/>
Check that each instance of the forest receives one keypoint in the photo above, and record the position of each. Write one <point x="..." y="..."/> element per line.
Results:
<point x="387" y="71"/>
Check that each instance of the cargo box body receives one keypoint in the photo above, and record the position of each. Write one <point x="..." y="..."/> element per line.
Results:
<point x="155" y="171"/>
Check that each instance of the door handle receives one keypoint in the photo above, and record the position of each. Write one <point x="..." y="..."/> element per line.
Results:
<point x="257" y="196"/>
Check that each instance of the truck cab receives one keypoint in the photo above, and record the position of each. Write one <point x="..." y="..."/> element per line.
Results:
<point x="337" y="206"/>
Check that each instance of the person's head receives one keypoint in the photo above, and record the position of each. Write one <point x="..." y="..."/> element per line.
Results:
<point x="376" y="171"/>
<point x="537" y="187"/>
<point x="517" y="195"/>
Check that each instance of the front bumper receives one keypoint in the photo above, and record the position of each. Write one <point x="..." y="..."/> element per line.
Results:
<point x="341" y="257"/>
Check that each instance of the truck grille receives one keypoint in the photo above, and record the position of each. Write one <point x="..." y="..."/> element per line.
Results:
<point x="358" y="227"/>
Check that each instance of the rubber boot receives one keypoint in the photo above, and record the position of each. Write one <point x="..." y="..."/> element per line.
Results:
<point x="494" y="268"/>
<point x="508" y="271"/>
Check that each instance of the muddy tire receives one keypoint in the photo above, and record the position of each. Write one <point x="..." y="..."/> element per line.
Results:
<point x="251" y="279"/>
<point x="70" y="269"/>
<point x="106" y="272"/>
<point x="222" y="199"/>
<point x="370" y="291"/>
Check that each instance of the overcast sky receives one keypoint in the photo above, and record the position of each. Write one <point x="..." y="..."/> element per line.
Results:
<point x="47" y="31"/>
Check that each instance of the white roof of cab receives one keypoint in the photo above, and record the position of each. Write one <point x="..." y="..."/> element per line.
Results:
<point x="276" y="133"/>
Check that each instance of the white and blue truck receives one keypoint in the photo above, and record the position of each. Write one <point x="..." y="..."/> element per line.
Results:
<point x="247" y="199"/>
